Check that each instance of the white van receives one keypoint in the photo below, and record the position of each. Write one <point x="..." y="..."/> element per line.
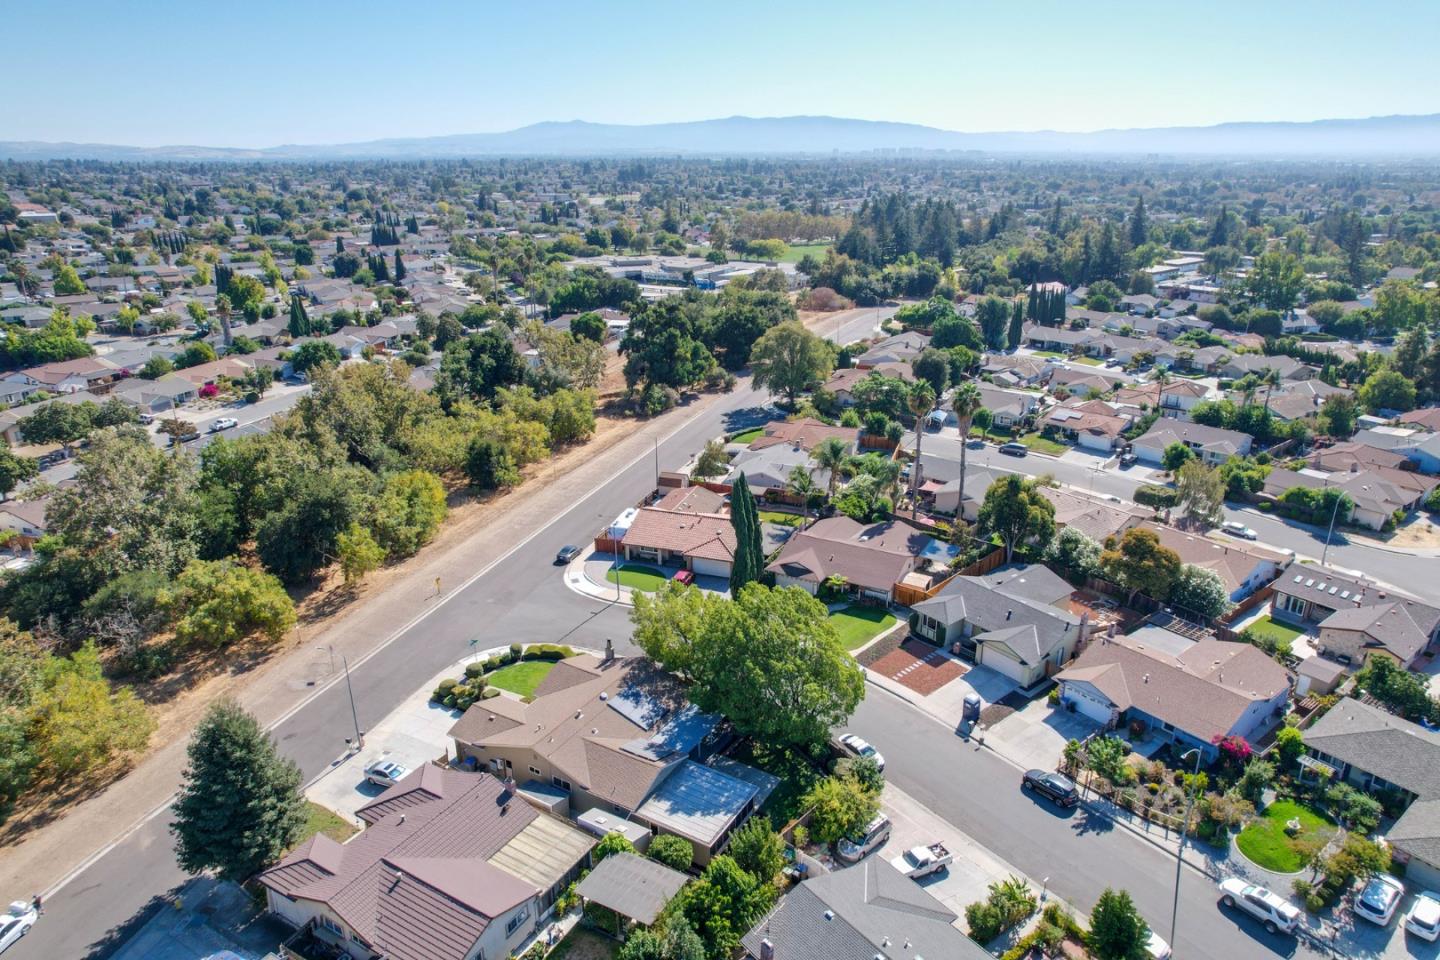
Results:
<point x="876" y="832"/>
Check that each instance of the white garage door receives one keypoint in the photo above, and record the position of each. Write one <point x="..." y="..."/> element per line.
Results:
<point x="1000" y="663"/>
<point x="711" y="568"/>
<point x="1087" y="707"/>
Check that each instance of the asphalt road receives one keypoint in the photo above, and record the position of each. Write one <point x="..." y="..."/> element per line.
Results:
<point x="850" y="326"/>
<point x="520" y="598"/>
<point x="1080" y="853"/>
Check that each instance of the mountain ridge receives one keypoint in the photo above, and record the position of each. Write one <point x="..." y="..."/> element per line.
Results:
<point x="1393" y="135"/>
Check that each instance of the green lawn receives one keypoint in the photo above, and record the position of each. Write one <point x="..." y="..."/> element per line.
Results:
<point x="521" y="678"/>
<point x="320" y="819"/>
<point x="1089" y="361"/>
<point x="1265" y="842"/>
<point x="857" y="625"/>
<point x="1043" y="445"/>
<point x="1049" y="353"/>
<point x="784" y="519"/>
<point x="797" y="252"/>
<point x="1267" y="627"/>
<point x="638" y="576"/>
<point x="747" y="436"/>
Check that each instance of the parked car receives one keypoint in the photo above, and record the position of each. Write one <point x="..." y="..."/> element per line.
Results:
<point x="223" y="423"/>
<point x="147" y="418"/>
<point x="1237" y="529"/>
<point x="15" y="923"/>
<point x="1014" y="449"/>
<point x="876" y="832"/>
<point x="1379" y="899"/>
<point x="862" y="748"/>
<point x="1128" y="459"/>
<point x="1271" y="909"/>
<point x="920" y="862"/>
<point x="386" y="773"/>
<point x="683" y="576"/>
<point x="1423" y="920"/>
<point x="1055" y="786"/>
<point x="567" y="553"/>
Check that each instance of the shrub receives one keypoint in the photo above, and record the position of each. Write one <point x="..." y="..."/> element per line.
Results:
<point x="473" y="670"/>
<point x="1156" y="497"/>
<point x="493" y="663"/>
<point x="443" y="690"/>
<point x="489" y="692"/>
<point x="515" y="650"/>
<point x="983" y="921"/>
<point x="675" y="852"/>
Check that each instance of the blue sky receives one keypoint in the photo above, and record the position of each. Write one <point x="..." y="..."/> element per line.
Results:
<point x="262" y="72"/>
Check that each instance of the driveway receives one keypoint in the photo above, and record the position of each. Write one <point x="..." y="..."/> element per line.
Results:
<point x="412" y="734"/>
<point x="207" y="919"/>
<point x="1034" y="736"/>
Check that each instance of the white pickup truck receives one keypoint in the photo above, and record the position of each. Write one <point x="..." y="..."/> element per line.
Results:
<point x="920" y="862"/>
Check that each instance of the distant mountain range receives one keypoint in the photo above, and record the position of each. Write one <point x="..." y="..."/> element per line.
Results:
<point x="1393" y="136"/>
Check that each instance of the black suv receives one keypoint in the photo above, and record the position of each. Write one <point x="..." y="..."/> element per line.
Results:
<point x="1056" y="786"/>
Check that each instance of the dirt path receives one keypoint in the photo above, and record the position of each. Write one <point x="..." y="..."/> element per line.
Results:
<point x="274" y="680"/>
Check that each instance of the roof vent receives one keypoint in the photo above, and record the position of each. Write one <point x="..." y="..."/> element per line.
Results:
<point x="604" y="696"/>
<point x="829" y="914"/>
<point x="579" y="714"/>
<point x="1008" y="613"/>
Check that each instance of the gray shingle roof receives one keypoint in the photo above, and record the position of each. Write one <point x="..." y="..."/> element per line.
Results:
<point x="632" y="886"/>
<point x="1380" y="743"/>
<point x="866" y="911"/>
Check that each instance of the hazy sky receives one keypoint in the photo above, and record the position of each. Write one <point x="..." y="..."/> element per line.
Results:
<point x="266" y="72"/>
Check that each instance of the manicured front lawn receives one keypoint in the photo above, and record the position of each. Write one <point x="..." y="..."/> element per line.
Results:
<point x="1265" y="842"/>
<point x="638" y="576"/>
<point x="520" y="678"/>
<point x="1089" y="361"/>
<point x="1043" y="444"/>
<point x="1048" y="353"/>
<point x="784" y="519"/>
<point x="857" y="625"/>
<point x="320" y="819"/>
<point x="748" y="436"/>
<point x="1267" y="627"/>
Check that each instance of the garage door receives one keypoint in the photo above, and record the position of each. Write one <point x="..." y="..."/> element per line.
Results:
<point x="1085" y="706"/>
<point x="711" y="568"/>
<point x="1000" y="663"/>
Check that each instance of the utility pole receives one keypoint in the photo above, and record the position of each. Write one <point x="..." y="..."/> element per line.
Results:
<point x="1180" y="854"/>
<point x="354" y="715"/>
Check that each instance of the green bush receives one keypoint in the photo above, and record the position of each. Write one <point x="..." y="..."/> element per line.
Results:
<point x="489" y="692"/>
<point x="983" y="921"/>
<point x="473" y="670"/>
<point x="675" y="852"/>
<point x="515" y="650"/>
<point x="493" y="663"/>
<point x="1156" y="497"/>
<point x="443" y="690"/>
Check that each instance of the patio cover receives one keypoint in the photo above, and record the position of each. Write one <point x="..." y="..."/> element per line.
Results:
<point x="632" y="886"/>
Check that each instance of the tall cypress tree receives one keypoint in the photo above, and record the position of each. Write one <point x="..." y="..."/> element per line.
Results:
<point x="240" y="807"/>
<point x="399" y="267"/>
<point x="749" y="547"/>
<point x="339" y="244"/>
<point x="299" y="319"/>
<point x="1017" y="325"/>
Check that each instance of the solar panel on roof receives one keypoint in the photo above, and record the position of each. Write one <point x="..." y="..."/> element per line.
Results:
<point x="1332" y="590"/>
<point x="1299" y="577"/>
<point x="637" y="706"/>
<point x="1344" y="594"/>
<point x="1309" y="583"/>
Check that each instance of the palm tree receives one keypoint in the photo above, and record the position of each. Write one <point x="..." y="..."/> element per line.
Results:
<point x="1271" y="381"/>
<point x="965" y="402"/>
<point x="802" y="485"/>
<point x="921" y="401"/>
<point x="830" y="455"/>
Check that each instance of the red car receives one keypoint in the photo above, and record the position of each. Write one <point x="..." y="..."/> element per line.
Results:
<point x="683" y="576"/>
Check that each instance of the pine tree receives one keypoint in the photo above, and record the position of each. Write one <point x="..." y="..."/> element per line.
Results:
<point x="399" y="267"/>
<point x="339" y="245"/>
<point x="299" y="319"/>
<point x="1139" y="224"/>
<point x="1017" y="325"/>
<point x="749" y="547"/>
<point x="240" y="806"/>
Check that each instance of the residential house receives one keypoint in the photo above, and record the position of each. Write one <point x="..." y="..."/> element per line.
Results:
<point x="1213" y="445"/>
<point x="1174" y="399"/>
<point x="25" y="517"/>
<point x="901" y="348"/>
<point x="1363" y="745"/>
<point x="616" y="736"/>
<point x="869" y="559"/>
<point x="1354" y="617"/>
<point x="1208" y="690"/>
<point x="1082" y="383"/>
<point x="1427" y="418"/>
<point x="1242" y="567"/>
<point x="870" y="911"/>
<point x="1181" y="356"/>
<point x="204" y="374"/>
<point x="1243" y="364"/>
<point x="1008" y="408"/>
<point x="10" y="419"/>
<point x="689" y="527"/>
<point x="806" y="433"/>
<point x="67" y="376"/>
<point x="451" y="867"/>
<point x="939" y="482"/>
<point x="1090" y="424"/>
<point x="769" y="468"/>
<point x="1017" y="370"/>
<point x="1014" y="620"/>
<point x="1378" y="493"/>
<point x="841" y="384"/>
<point x="1057" y="339"/>
<point x="1097" y="518"/>
<point x="157" y="396"/>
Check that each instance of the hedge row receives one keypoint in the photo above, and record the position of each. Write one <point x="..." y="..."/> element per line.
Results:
<point x="466" y="690"/>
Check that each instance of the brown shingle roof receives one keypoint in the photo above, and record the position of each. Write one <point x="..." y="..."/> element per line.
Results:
<point x="689" y="534"/>
<point x="806" y="433"/>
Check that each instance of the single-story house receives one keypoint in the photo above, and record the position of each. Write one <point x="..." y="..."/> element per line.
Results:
<point x="1093" y="516"/>
<point x="1213" y="445"/>
<point x="1089" y="424"/>
<point x="1008" y="408"/>
<point x="689" y="527"/>
<point x="25" y="517"/>
<point x="1242" y="567"/>
<point x="1017" y="370"/>
<point x="157" y="396"/>
<point x="806" y="433"/>
<point x="769" y="468"/>
<point x="869" y="558"/>
<point x="1288" y="368"/>
<point x="1379" y="752"/>
<point x="1378" y="493"/>
<point x="461" y="869"/>
<point x="901" y="348"/>
<point x="1011" y="620"/>
<point x="1354" y="617"/>
<point x="1210" y="689"/>
<point x="67" y="376"/>
<point x="870" y="911"/>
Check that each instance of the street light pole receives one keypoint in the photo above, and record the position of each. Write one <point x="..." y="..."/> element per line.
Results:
<point x="1180" y="854"/>
<point x="354" y="714"/>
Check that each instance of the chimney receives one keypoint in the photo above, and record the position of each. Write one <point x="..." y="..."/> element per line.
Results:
<point x="1008" y="613"/>
<point x="509" y="784"/>
<point x="767" y="950"/>
<point x="1084" y="632"/>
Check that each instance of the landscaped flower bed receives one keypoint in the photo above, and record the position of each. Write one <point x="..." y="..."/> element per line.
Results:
<point x="473" y="685"/>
